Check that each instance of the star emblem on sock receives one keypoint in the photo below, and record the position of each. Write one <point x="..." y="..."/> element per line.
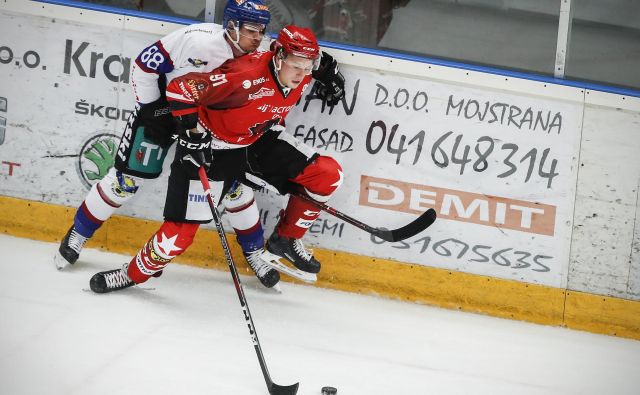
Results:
<point x="167" y="244"/>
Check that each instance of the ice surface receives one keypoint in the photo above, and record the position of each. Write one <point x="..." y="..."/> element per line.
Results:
<point x="188" y="336"/>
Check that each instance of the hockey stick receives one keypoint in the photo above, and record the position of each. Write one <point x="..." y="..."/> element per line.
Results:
<point x="274" y="389"/>
<point x="411" y="229"/>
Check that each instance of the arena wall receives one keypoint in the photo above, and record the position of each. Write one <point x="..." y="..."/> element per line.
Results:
<point x="535" y="180"/>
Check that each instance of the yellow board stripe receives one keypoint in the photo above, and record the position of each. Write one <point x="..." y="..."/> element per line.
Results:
<point x="358" y="274"/>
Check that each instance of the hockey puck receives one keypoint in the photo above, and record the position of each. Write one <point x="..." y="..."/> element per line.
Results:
<point x="329" y="391"/>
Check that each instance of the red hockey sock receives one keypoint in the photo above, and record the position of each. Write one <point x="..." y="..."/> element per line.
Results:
<point x="320" y="180"/>
<point x="171" y="240"/>
<point x="298" y="217"/>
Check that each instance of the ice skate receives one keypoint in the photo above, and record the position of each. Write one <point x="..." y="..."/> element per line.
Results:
<point x="69" y="249"/>
<point x="267" y="275"/>
<point x="293" y="251"/>
<point x="110" y="280"/>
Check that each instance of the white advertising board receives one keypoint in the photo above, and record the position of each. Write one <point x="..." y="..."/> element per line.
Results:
<point x="499" y="168"/>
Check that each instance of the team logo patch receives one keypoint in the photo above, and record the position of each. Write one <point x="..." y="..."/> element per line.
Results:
<point x="96" y="157"/>
<point x="197" y="62"/>
<point x="158" y="258"/>
<point x="263" y="92"/>
<point x="236" y="192"/>
<point x="124" y="186"/>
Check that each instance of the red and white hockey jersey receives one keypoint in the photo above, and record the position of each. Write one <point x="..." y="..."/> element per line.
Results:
<point x="237" y="102"/>
<point x="195" y="48"/>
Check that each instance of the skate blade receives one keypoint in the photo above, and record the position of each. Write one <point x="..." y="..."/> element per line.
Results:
<point x="60" y="262"/>
<point x="277" y="263"/>
<point x="89" y="290"/>
<point x="259" y="287"/>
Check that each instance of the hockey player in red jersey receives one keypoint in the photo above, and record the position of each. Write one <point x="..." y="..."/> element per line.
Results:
<point x="198" y="47"/>
<point x="232" y="122"/>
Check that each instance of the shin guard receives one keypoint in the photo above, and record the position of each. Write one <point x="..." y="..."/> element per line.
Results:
<point x="103" y="199"/>
<point x="244" y="217"/>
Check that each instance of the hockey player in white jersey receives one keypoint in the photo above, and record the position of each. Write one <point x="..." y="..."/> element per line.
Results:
<point x="199" y="48"/>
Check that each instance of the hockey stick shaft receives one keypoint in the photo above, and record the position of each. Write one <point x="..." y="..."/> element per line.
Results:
<point x="413" y="228"/>
<point x="274" y="389"/>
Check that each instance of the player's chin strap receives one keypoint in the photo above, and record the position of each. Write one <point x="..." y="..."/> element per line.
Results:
<point x="277" y="66"/>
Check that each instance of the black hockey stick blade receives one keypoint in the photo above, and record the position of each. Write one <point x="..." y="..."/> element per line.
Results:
<point x="411" y="229"/>
<point x="276" y="389"/>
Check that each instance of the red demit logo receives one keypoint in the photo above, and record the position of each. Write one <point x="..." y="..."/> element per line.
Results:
<point x="457" y="205"/>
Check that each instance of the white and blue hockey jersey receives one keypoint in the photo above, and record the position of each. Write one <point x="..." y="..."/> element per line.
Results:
<point x="195" y="48"/>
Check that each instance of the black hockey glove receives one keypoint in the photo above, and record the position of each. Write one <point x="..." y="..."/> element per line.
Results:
<point x="194" y="150"/>
<point x="186" y="122"/>
<point x="159" y="125"/>
<point x="329" y="85"/>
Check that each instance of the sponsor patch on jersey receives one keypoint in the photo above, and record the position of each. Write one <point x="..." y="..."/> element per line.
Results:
<point x="263" y="92"/>
<point x="191" y="88"/>
<point x="185" y="91"/>
<point x="197" y="62"/>
<point x="246" y="84"/>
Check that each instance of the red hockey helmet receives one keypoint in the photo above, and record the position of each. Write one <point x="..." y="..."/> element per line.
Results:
<point x="298" y="41"/>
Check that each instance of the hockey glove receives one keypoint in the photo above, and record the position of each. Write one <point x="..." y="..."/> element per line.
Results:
<point x="329" y="85"/>
<point x="159" y="125"/>
<point x="194" y="150"/>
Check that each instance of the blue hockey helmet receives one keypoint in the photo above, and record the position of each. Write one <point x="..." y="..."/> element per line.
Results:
<point x="241" y="11"/>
